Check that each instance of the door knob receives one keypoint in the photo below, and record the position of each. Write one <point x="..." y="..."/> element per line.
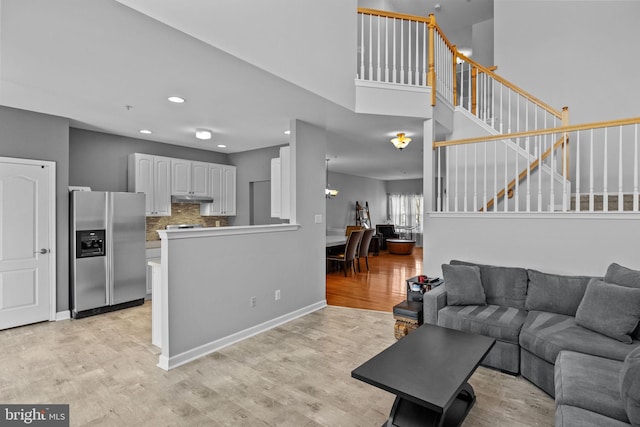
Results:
<point x="42" y="251"/>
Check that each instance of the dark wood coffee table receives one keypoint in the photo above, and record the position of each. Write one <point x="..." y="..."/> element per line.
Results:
<point x="428" y="371"/>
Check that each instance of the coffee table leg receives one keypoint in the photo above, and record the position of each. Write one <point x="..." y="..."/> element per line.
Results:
<point x="405" y="413"/>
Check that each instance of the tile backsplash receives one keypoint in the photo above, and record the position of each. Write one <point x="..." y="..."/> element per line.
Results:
<point x="182" y="213"/>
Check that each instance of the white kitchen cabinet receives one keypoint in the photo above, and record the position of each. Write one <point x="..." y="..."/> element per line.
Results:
<point x="275" y="188"/>
<point x="189" y="178"/>
<point x="281" y="185"/>
<point x="151" y="175"/>
<point x="222" y="188"/>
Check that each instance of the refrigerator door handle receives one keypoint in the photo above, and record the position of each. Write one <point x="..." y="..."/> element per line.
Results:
<point x="109" y="209"/>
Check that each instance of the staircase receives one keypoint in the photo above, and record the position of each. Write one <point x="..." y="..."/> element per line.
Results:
<point x="506" y="151"/>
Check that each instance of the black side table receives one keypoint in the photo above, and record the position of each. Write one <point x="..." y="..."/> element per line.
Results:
<point x="417" y="288"/>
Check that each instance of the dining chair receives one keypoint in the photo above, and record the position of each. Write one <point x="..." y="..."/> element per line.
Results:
<point x="350" y="228"/>
<point x="347" y="258"/>
<point x="363" y="251"/>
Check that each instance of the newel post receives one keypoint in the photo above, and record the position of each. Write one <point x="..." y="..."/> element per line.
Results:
<point x="431" y="73"/>
<point x="474" y="89"/>
<point x="565" y="145"/>
<point x="455" y="70"/>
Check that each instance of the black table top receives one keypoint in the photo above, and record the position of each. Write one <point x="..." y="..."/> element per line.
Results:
<point x="429" y="366"/>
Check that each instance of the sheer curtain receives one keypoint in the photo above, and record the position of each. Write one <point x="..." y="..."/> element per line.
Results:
<point x="405" y="212"/>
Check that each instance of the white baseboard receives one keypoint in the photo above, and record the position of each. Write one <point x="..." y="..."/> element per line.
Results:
<point x="168" y="363"/>
<point x="63" y="315"/>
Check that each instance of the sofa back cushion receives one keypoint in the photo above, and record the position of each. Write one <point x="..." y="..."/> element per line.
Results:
<point x="609" y="309"/>
<point x="463" y="285"/>
<point x="630" y="386"/>
<point x="555" y="293"/>
<point x="624" y="276"/>
<point x="504" y="286"/>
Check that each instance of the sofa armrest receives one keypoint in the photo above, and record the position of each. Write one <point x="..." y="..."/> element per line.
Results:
<point x="433" y="301"/>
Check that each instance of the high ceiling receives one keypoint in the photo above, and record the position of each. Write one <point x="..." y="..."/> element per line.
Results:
<point x="110" y="68"/>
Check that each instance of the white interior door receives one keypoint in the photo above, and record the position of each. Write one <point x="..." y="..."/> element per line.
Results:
<point x="26" y="273"/>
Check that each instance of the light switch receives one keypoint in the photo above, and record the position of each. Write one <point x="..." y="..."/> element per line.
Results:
<point x="318" y="218"/>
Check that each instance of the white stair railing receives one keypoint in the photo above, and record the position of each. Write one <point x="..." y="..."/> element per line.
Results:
<point x="392" y="48"/>
<point x="512" y="179"/>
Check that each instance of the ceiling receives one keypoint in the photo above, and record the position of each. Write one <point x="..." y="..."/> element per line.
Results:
<point x="109" y="68"/>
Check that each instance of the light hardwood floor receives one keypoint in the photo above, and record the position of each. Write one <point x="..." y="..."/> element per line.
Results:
<point x="295" y="375"/>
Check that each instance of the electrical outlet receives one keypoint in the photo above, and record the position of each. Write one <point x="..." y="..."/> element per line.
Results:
<point x="253" y="302"/>
<point x="277" y="294"/>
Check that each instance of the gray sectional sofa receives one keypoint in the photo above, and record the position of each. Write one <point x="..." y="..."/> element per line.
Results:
<point x="553" y="330"/>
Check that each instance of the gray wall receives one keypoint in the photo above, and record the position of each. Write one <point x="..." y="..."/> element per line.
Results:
<point x="209" y="286"/>
<point x="406" y="186"/>
<point x="29" y="135"/>
<point x="578" y="54"/>
<point x="482" y="43"/>
<point x="341" y="210"/>
<point x="99" y="160"/>
<point x="252" y="166"/>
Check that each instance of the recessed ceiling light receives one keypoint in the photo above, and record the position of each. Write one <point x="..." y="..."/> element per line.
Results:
<point x="176" y="99"/>
<point x="222" y="146"/>
<point x="203" y="133"/>
<point x="287" y="132"/>
<point x="145" y="131"/>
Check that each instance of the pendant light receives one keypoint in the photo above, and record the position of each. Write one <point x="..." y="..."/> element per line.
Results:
<point x="329" y="193"/>
<point x="400" y="141"/>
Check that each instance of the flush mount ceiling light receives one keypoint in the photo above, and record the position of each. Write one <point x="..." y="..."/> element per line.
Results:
<point x="203" y="133"/>
<point x="145" y="131"/>
<point x="221" y="146"/>
<point x="176" y="99"/>
<point x="287" y="132"/>
<point x="400" y="141"/>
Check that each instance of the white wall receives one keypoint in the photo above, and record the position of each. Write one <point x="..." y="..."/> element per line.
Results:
<point x="568" y="244"/>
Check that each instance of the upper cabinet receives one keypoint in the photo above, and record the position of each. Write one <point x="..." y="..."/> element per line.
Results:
<point x="160" y="177"/>
<point x="222" y="188"/>
<point x="151" y="175"/>
<point x="189" y="178"/>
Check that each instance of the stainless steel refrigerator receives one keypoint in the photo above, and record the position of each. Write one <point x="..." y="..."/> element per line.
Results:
<point x="107" y="243"/>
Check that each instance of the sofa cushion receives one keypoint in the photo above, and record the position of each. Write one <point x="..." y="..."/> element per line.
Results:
<point x="570" y="416"/>
<point x="589" y="382"/>
<point x="555" y="293"/>
<point x="505" y="286"/>
<point x="624" y="276"/>
<point x="495" y="321"/>
<point x="463" y="285"/>
<point x="610" y="309"/>
<point x="630" y="386"/>
<point x="544" y="334"/>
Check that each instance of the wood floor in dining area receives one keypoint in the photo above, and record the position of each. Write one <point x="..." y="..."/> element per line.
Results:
<point x="380" y="288"/>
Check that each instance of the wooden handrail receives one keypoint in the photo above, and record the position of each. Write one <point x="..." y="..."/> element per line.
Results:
<point x="523" y="174"/>
<point x="386" y="14"/>
<point x="561" y="129"/>
<point x="510" y="85"/>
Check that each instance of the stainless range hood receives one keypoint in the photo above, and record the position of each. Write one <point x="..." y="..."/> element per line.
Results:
<point x="190" y="198"/>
